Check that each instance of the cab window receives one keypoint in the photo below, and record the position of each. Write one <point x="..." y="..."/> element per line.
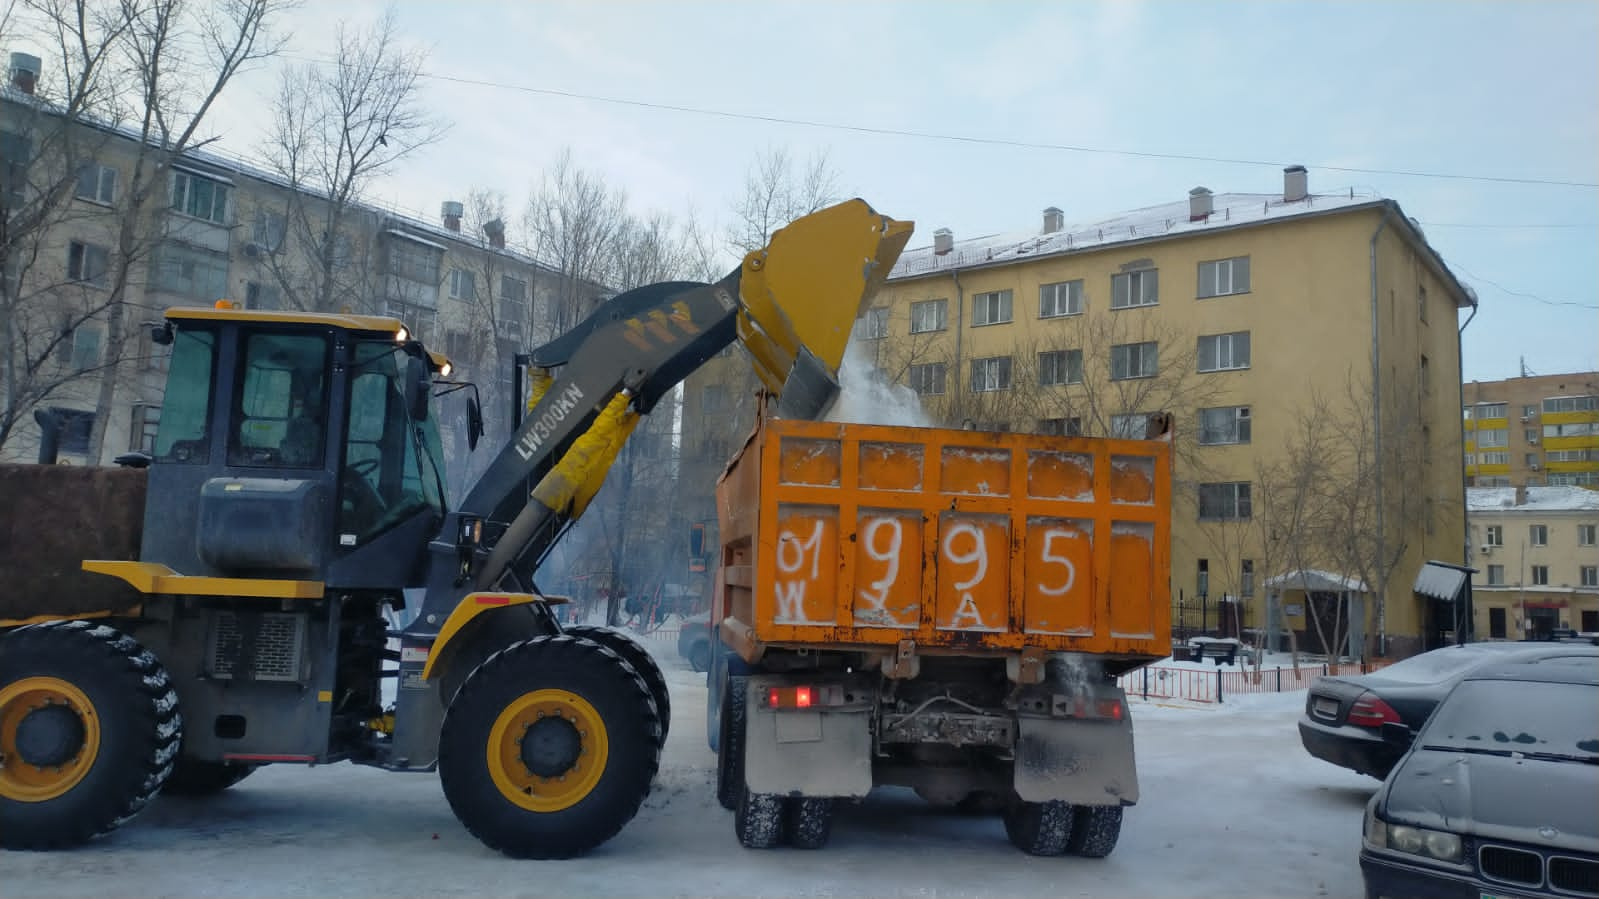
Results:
<point x="280" y="407"/>
<point x="390" y="462"/>
<point x="184" y="432"/>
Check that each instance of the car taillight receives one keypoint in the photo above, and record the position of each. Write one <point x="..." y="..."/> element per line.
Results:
<point x="1370" y="711"/>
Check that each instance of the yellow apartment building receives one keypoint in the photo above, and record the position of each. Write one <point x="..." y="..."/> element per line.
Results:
<point x="1307" y="345"/>
<point x="1537" y="430"/>
<point x="1537" y="560"/>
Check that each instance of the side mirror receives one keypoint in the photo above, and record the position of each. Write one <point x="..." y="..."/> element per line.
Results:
<point x="1396" y="733"/>
<point x="474" y="422"/>
<point x="418" y="388"/>
<point x="161" y="333"/>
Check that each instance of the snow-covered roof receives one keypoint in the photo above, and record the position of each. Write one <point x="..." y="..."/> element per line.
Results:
<point x="1166" y="220"/>
<point x="1316" y="579"/>
<point x="1563" y="498"/>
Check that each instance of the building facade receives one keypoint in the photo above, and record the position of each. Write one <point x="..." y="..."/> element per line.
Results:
<point x="1306" y="344"/>
<point x="1533" y="431"/>
<point x="1536" y="551"/>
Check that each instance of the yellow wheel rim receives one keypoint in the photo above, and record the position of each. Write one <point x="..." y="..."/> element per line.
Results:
<point x="558" y="716"/>
<point x="25" y="782"/>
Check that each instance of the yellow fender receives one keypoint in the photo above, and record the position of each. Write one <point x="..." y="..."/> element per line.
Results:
<point x="470" y="607"/>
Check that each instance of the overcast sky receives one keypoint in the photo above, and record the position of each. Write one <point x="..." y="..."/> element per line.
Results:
<point x="1496" y="89"/>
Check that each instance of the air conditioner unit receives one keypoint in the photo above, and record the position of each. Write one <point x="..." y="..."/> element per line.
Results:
<point x="1533" y="441"/>
<point x="1534" y="466"/>
<point x="1484" y="549"/>
<point x="1526" y="418"/>
<point x="253" y="250"/>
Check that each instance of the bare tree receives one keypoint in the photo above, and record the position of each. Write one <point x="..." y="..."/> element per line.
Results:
<point x="573" y="222"/>
<point x="776" y="193"/>
<point x="335" y="129"/>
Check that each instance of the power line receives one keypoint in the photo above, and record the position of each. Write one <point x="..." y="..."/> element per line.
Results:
<point x="1518" y="293"/>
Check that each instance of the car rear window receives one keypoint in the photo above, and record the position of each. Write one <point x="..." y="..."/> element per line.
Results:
<point x="1435" y="666"/>
<point x="1518" y="716"/>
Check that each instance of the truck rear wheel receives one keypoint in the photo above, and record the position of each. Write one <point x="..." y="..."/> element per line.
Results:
<point x="1039" y="828"/>
<point x="730" y="745"/>
<point x="1095" y="830"/>
<point x="759" y="819"/>
<point x="549" y="748"/>
<point x="634" y="653"/>
<point x="809" y="822"/>
<point x="193" y="779"/>
<point x="89" y="728"/>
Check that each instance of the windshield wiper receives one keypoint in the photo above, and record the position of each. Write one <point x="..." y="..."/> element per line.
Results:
<point x="1475" y="750"/>
<point x="1563" y="757"/>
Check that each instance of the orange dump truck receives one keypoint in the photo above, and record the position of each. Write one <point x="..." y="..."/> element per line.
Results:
<point x="940" y="609"/>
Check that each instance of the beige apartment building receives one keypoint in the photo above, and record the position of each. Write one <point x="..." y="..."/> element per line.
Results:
<point x="1536" y="430"/>
<point x="1288" y="333"/>
<point x="1537" y="560"/>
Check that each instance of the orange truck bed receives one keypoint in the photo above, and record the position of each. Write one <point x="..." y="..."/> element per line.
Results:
<point x="864" y="536"/>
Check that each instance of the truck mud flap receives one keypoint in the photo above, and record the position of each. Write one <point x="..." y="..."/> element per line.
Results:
<point x="1080" y="762"/>
<point x="806" y="752"/>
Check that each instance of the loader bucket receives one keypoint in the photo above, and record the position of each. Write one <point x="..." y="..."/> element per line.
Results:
<point x="802" y="293"/>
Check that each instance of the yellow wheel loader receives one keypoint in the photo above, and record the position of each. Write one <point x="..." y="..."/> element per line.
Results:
<point x="233" y="600"/>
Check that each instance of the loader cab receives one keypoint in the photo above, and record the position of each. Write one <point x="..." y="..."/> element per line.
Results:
<point x="295" y="446"/>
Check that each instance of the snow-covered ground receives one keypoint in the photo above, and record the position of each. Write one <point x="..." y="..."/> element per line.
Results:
<point x="1232" y="807"/>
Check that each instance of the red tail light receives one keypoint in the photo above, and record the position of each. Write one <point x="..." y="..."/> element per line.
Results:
<point x="807" y="697"/>
<point x="1110" y="708"/>
<point x="802" y="697"/>
<point x="1370" y="711"/>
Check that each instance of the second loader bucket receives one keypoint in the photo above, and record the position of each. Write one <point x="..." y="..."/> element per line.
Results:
<point x="802" y="293"/>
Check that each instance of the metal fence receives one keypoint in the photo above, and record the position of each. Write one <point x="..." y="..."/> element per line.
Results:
<point x="1196" y="685"/>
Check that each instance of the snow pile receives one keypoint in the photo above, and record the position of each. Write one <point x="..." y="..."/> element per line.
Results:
<point x="866" y="397"/>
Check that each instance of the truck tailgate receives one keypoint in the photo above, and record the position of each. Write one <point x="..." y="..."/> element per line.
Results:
<point x="844" y="534"/>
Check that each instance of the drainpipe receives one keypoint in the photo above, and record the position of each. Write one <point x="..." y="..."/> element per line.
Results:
<point x="1471" y="613"/>
<point x="1376" y="426"/>
<point x="959" y="409"/>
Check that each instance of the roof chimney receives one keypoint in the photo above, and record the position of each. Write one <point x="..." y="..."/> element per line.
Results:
<point x="943" y="241"/>
<point x="1199" y="204"/>
<point x="495" y="231"/>
<point x="452" y="211"/>
<point x="1295" y="184"/>
<point x="1054" y="220"/>
<point x="25" y="69"/>
<point x="1521" y="494"/>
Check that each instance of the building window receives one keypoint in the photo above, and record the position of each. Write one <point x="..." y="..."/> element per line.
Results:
<point x="146" y="421"/>
<point x="1140" y="288"/>
<point x="1496" y="624"/>
<point x="1495" y="458"/>
<point x="413" y="261"/>
<point x="1132" y="426"/>
<point x="1061" y="298"/>
<point x="1202" y="578"/>
<point x="1060" y="367"/>
<point x="713" y="398"/>
<point x="1496" y="481"/>
<point x="1493" y="437"/>
<point x="419" y="320"/>
<point x="16" y="151"/>
<point x="1133" y="360"/>
<point x="1575" y="429"/>
<point x="1224" y="502"/>
<point x="991" y="374"/>
<point x="463" y="284"/>
<point x="199" y="196"/>
<point x="929" y="315"/>
<point x="1223" y="277"/>
<point x="1496" y="575"/>
<point x="88" y="263"/>
<point x="1538" y="534"/>
<point x="1494" y="535"/>
<point x="1540" y="575"/>
<point x="1224" y="352"/>
<point x="1591" y="455"/>
<point x="991" y="308"/>
<point x="512" y="316"/>
<point x="85" y="347"/>
<point x="1421" y="301"/>
<point x="1531" y="459"/>
<point x="512" y="288"/>
<point x="873" y="325"/>
<point x="1061" y="427"/>
<point x="190" y="271"/>
<point x="1573" y="479"/>
<point x="1491" y="410"/>
<point x="927" y="379"/>
<point x="1426" y="376"/>
<point x="261" y="296"/>
<point x="1590" y="576"/>
<point x="457" y="346"/>
<point x="1530" y="435"/>
<point x="97" y="183"/>
<point x="76" y="427"/>
<point x="1586" y="534"/>
<point x="1223" y="425"/>
<point x="1590" y="620"/>
<point x="1246" y="578"/>
<point x="1571" y="404"/>
<point x="269" y="231"/>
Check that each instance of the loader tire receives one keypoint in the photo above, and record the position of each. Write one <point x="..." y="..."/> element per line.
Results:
<point x="636" y="655"/>
<point x="89" y="730"/>
<point x="809" y="822"/>
<point x="759" y="819"/>
<point x="730" y="754"/>
<point x="192" y="779"/>
<point x="1039" y="828"/>
<point x="1095" y="830"/>
<point x="549" y="748"/>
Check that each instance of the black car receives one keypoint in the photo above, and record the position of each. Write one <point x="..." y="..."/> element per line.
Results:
<point x="1344" y="715"/>
<point x="1499" y="796"/>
